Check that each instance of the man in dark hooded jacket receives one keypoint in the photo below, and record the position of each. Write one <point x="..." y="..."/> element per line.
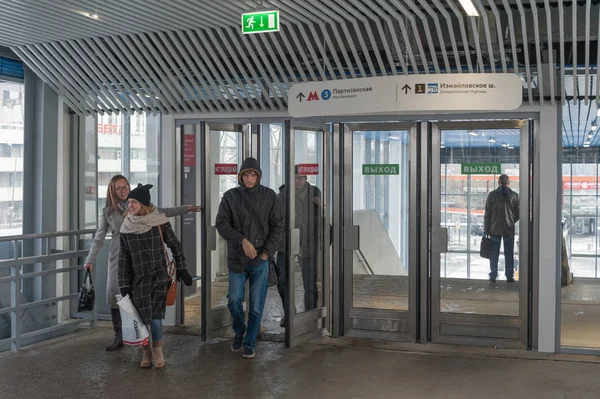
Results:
<point x="501" y="216"/>
<point x="308" y="219"/>
<point x="251" y="222"/>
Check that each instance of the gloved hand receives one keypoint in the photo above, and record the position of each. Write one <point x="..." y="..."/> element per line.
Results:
<point x="125" y="291"/>
<point x="182" y="274"/>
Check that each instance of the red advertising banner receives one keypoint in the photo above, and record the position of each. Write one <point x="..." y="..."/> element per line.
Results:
<point x="189" y="150"/>
<point x="580" y="185"/>
<point x="308" y="169"/>
<point x="226" y="169"/>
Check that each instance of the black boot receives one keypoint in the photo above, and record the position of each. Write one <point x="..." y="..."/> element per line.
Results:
<point x="116" y="320"/>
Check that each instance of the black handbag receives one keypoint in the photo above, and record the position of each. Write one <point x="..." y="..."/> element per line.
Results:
<point x="485" y="249"/>
<point x="87" y="296"/>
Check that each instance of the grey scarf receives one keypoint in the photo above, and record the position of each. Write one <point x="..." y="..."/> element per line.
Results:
<point x="136" y="224"/>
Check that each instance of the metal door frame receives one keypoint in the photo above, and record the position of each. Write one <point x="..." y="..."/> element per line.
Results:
<point x="461" y="328"/>
<point x="315" y="323"/>
<point x="385" y="324"/>
<point x="215" y="322"/>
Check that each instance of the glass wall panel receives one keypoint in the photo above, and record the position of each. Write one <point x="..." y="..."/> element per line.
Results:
<point x="92" y="199"/>
<point x="11" y="158"/>
<point x="110" y="147"/>
<point x="11" y="186"/>
<point x="144" y="152"/>
<point x="381" y="193"/>
<point x="580" y="283"/>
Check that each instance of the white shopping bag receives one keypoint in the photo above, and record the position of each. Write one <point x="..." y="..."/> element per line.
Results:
<point x="135" y="331"/>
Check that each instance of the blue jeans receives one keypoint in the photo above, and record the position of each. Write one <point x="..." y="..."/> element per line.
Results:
<point x="509" y="259"/>
<point x="259" y="283"/>
<point x="156" y="329"/>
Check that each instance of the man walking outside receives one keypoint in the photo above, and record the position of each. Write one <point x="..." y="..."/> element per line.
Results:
<point x="308" y="215"/>
<point x="501" y="216"/>
<point x="249" y="219"/>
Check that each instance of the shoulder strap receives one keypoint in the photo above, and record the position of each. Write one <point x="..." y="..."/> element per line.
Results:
<point x="163" y="244"/>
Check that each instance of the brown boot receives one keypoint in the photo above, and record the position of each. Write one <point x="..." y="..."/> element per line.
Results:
<point x="159" y="359"/>
<point x="117" y="343"/>
<point x="146" y="362"/>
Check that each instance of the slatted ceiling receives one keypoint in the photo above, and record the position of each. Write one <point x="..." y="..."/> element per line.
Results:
<point x="189" y="56"/>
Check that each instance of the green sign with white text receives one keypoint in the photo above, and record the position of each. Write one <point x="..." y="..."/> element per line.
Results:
<point x="480" y="168"/>
<point x="260" y="21"/>
<point x="381" y="169"/>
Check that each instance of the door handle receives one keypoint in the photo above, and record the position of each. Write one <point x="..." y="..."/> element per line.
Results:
<point x="440" y="240"/>
<point x="295" y="241"/>
<point x="211" y="238"/>
<point x="352" y="237"/>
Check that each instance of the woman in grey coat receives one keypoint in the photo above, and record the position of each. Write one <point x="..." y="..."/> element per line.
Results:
<point x="143" y="273"/>
<point x="111" y="220"/>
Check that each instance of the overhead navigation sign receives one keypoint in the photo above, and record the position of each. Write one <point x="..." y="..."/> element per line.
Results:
<point x="261" y="21"/>
<point x="388" y="94"/>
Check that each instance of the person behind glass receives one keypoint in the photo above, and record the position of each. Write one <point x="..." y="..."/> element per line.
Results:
<point x="143" y="271"/>
<point x="307" y="216"/>
<point x="250" y="221"/>
<point x="501" y="216"/>
<point x="111" y="220"/>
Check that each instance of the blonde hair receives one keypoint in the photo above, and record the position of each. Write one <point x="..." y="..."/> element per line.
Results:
<point x="111" y="193"/>
<point x="146" y="210"/>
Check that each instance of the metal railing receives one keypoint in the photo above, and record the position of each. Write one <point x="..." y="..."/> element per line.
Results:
<point x="33" y="257"/>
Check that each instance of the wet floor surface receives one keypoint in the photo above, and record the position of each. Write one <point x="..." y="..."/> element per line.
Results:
<point x="77" y="366"/>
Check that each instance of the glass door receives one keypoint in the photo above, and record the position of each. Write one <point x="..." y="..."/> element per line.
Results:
<point x="306" y="253"/>
<point x="223" y="151"/>
<point x="380" y="244"/>
<point x="480" y="185"/>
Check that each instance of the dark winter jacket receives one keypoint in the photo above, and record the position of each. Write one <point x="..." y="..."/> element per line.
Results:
<point x="308" y="218"/>
<point x="234" y="222"/>
<point x="143" y="268"/>
<point x="501" y="212"/>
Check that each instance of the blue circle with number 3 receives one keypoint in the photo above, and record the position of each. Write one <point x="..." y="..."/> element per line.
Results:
<point x="326" y="94"/>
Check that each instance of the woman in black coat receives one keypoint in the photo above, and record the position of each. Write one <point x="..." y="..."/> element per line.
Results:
<point x="143" y="267"/>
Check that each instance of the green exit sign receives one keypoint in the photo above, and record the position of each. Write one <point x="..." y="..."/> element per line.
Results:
<point x="381" y="169"/>
<point x="480" y="168"/>
<point x="260" y="21"/>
